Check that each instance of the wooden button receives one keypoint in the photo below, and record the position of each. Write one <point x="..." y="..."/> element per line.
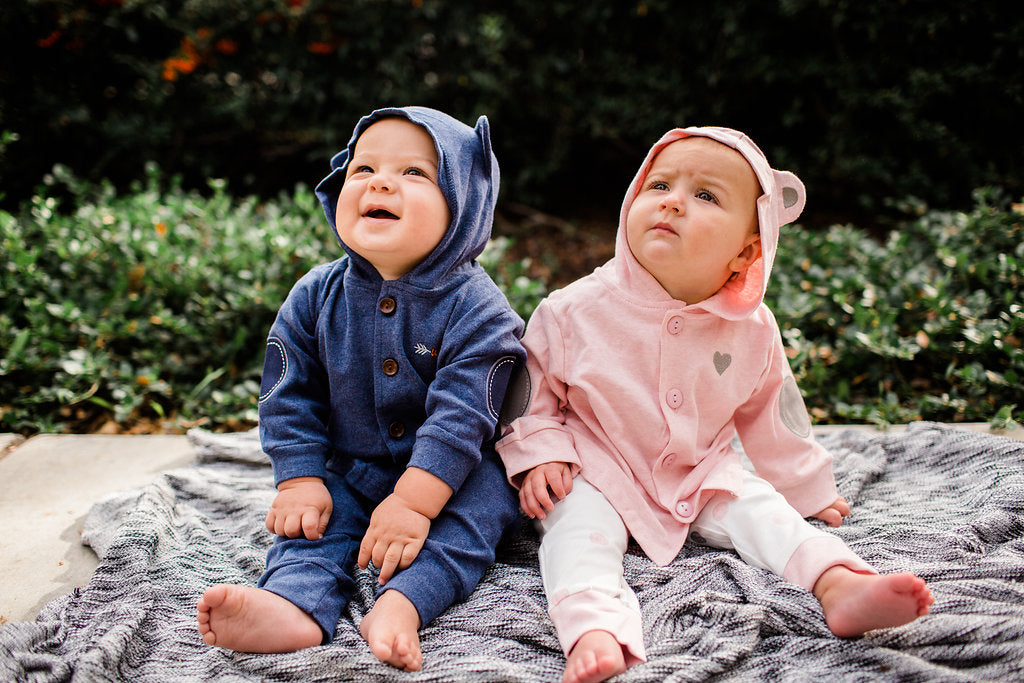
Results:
<point x="390" y="367"/>
<point x="387" y="305"/>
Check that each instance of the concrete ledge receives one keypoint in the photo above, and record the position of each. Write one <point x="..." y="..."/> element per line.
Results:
<point x="8" y="442"/>
<point x="47" y="485"/>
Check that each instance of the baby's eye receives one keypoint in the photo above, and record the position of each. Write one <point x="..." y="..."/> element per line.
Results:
<point x="706" y="196"/>
<point x="658" y="185"/>
<point x="415" y="171"/>
<point x="362" y="169"/>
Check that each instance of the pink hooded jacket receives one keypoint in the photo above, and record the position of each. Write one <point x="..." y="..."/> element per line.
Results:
<point x="642" y="393"/>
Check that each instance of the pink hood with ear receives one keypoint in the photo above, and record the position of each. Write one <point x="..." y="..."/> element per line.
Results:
<point x="782" y="201"/>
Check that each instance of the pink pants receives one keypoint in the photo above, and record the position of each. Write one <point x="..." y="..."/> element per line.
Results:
<point x="584" y="540"/>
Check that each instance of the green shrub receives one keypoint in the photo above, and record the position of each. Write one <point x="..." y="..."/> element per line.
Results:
<point x="928" y="324"/>
<point x="155" y="305"/>
<point x="150" y="304"/>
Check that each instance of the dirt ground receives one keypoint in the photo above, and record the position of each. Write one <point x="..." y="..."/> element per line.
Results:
<point x="559" y="251"/>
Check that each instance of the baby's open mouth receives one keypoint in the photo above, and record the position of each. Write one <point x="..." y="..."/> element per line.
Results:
<point x="380" y="213"/>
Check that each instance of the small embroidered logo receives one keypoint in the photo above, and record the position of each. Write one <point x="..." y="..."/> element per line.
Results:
<point x="722" y="361"/>
<point x="422" y="350"/>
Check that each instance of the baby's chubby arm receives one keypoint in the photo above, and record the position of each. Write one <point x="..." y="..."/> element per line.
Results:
<point x="302" y="508"/>
<point x="400" y="524"/>
<point x="538" y="485"/>
<point x="834" y="513"/>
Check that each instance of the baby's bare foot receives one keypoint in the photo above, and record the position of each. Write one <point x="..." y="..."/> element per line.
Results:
<point x="857" y="603"/>
<point x="254" y="620"/>
<point x="391" y="629"/>
<point x="596" y="656"/>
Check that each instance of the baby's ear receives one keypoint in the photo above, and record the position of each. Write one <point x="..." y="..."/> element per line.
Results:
<point x="794" y="196"/>
<point x="483" y="131"/>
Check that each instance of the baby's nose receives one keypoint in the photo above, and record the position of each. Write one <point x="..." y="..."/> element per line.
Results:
<point x="670" y="203"/>
<point x="381" y="183"/>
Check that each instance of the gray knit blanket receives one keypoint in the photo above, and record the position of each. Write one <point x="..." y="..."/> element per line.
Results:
<point x="943" y="503"/>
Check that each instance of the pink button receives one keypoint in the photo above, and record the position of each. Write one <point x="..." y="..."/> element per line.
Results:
<point x="675" y="325"/>
<point x="683" y="508"/>
<point x="669" y="459"/>
<point x="674" y="398"/>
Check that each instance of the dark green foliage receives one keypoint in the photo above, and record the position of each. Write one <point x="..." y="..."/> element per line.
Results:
<point x="148" y="304"/>
<point x="927" y="325"/>
<point x="155" y="305"/>
<point x="866" y="101"/>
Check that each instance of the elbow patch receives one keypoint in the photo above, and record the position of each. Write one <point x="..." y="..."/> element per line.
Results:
<point x="275" y="368"/>
<point x="515" y="394"/>
<point x="792" y="410"/>
<point x="497" y="383"/>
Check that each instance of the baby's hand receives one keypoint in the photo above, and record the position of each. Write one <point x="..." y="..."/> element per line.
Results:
<point x="834" y="513"/>
<point x="538" y="485"/>
<point x="302" y="508"/>
<point x="394" y="538"/>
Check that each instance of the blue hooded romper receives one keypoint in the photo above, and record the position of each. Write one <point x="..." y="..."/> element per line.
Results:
<point x="364" y="377"/>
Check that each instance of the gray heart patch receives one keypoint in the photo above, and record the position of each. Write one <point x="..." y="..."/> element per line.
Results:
<point x="722" y="361"/>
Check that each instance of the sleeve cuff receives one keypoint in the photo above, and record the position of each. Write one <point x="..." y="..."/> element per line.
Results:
<point x="300" y="460"/>
<point x="445" y="458"/>
<point x="532" y="442"/>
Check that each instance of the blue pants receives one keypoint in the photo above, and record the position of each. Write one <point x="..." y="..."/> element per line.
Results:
<point x="317" y="576"/>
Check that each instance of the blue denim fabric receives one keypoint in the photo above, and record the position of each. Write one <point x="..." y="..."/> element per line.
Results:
<point x="318" y="575"/>
<point x="454" y="349"/>
<point x="462" y="542"/>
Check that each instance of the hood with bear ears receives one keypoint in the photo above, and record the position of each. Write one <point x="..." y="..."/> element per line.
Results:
<point x="783" y="198"/>
<point x="467" y="173"/>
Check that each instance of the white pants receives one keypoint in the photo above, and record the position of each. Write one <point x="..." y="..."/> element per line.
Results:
<point x="583" y="541"/>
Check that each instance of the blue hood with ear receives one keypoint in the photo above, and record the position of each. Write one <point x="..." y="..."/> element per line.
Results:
<point x="467" y="173"/>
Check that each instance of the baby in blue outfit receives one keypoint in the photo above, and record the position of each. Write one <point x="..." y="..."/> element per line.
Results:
<point x="382" y="386"/>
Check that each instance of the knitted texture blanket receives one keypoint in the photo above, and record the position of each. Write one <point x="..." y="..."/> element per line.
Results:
<point x="946" y="504"/>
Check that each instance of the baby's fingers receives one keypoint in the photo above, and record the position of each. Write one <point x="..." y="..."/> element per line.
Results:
<point x="543" y="496"/>
<point x="365" y="551"/>
<point x="310" y="522"/>
<point x="389" y="562"/>
<point x="566" y="481"/>
<point x="409" y="554"/>
<point x="831" y="517"/>
<point x="528" y="501"/>
<point x="557" y="487"/>
<point x="292" y="526"/>
<point x="283" y="525"/>
<point x="842" y="507"/>
<point x="397" y="557"/>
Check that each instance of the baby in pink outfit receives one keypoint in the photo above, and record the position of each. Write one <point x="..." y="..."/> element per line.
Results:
<point x="641" y="374"/>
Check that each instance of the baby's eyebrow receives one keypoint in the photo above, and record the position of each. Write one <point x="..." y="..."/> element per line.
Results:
<point x="367" y="159"/>
<point x="712" y="182"/>
<point x="422" y="161"/>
